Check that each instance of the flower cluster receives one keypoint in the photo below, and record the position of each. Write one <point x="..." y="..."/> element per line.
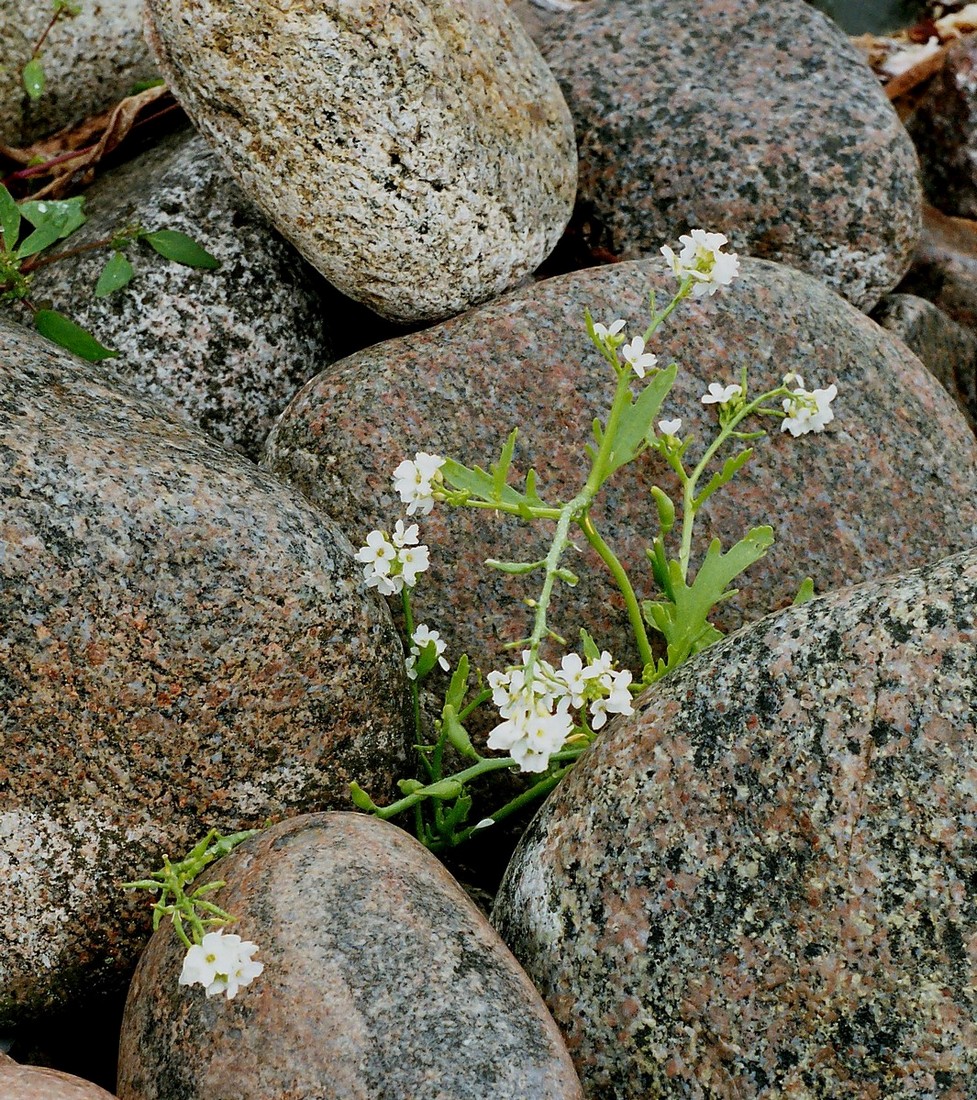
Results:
<point x="417" y="481"/>
<point x="423" y="637"/>
<point x="807" y="411"/>
<point x="221" y="964"/>
<point x="702" y="261"/>
<point x="390" y="562"/>
<point x="536" y="708"/>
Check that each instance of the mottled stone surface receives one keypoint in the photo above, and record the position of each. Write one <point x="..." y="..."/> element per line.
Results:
<point x="38" y="1083"/>
<point x="944" y="269"/>
<point x="381" y="980"/>
<point x="947" y="350"/>
<point x="761" y="885"/>
<point x="755" y="119"/>
<point x="225" y="349"/>
<point x="185" y="643"/>
<point x="942" y="126"/>
<point x="428" y="162"/>
<point x="890" y="485"/>
<point x="90" y="62"/>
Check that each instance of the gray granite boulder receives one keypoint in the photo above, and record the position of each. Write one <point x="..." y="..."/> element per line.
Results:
<point x="39" y="1083"/>
<point x="761" y="884"/>
<point x="752" y="118"/>
<point x="942" y="126"/>
<point x="947" y="350"/>
<point x="184" y="643"/>
<point x="90" y="62"/>
<point x="890" y="485"/>
<point x="225" y="349"/>
<point x="419" y="155"/>
<point x="381" y="979"/>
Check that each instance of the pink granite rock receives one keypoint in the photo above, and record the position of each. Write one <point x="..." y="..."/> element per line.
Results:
<point x="756" y="119"/>
<point x="890" y="485"/>
<point x="762" y="884"/>
<point x="184" y="643"/>
<point x="381" y="979"/>
<point x="39" y="1083"/>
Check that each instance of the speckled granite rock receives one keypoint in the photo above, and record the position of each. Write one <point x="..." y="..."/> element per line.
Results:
<point x="761" y="885"/>
<point x="944" y="269"/>
<point x="381" y="980"/>
<point x="947" y="350"/>
<point x="184" y="643"/>
<point x="941" y="125"/>
<point x="752" y="118"/>
<point x="38" y="1083"/>
<point x="90" y="62"/>
<point x="428" y="162"/>
<point x="889" y="486"/>
<point x="226" y="350"/>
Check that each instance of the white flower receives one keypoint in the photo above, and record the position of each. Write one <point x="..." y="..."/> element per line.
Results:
<point x="573" y="674"/>
<point x="386" y="586"/>
<point x="422" y="637"/>
<point x="413" y="560"/>
<point x="721" y="395"/>
<point x="414" y="481"/>
<point x="602" y="666"/>
<point x="670" y="427"/>
<point x="808" y="412"/>
<point x="618" y="700"/>
<point x="404" y="536"/>
<point x="702" y="260"/>
<point x="605" y="331"/>
<point x="532" y="732"/>
<point x="378" y="555"/>
<point x="639" y="359"/>
<point x="221" y="964"/>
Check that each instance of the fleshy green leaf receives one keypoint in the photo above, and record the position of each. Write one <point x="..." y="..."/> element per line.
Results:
<point x="590" y="650"/>
<point x="361" y="800"/>
<point x="666" y="509"/>
<point x="9" y="219"/>
<point x="115" y="275"/>
<point x="515" y="568"/>
<point x="426" y="660"/>
<point x="456" y="733"/>
<point x="33" y="75"/>
<point x="719" y="479"/>
<point x="58" y="328"/>
<point x="455" y="695"/>
<point x="181" y="249"/>
<point x="635" y="422"/>
<point x="805" y="592"/>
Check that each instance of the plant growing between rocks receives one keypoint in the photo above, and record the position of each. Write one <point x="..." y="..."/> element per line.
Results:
<point x="29" y="229"/>
<point x="550" y="715"/>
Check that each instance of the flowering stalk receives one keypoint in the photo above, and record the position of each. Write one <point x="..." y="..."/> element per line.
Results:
<point x="550" y="715"/>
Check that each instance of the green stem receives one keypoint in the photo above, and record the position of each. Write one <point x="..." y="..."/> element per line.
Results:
<point x="623" y="583"/>
<point x="415" y="691"/>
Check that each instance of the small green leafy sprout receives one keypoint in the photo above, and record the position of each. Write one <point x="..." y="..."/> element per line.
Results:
<point x="33" y="72"/>
<point x="22" y="252"/>
<point x="220" y="962"/>
<point x="550" y="714"/>
<point x="169" y="882"/>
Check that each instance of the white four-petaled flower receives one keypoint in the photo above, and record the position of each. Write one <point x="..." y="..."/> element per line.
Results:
<point x="721" y="395"/>
<point x="670" y="427"/>
<point x="422" y="637"/>
<point x="702" y="260"/>
<point x="637" y="358"/>
<point x="605" y="331"/>
<point x="221" y="963"/>
<point x="389" y="564"/>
